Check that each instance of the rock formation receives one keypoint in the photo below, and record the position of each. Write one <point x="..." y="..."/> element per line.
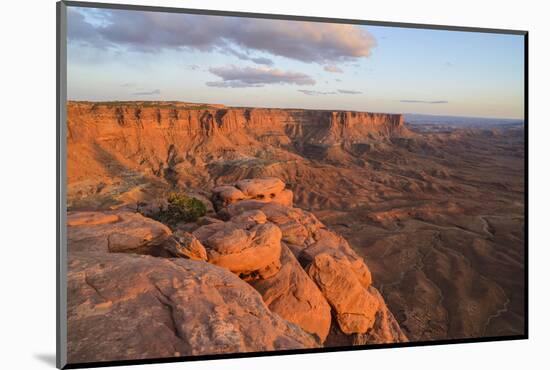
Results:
<point x="339" y="273"/>
<point x="125" y="306"/>
<point x="262" y="190"/>
<point x="252" y="253"/>
<point x="354" y="306"/>
<point x="126" y="149"/>
<point x="295" y="297"/>
<point x="124" y="232"/>
<point x="267" y="277"/>
<point x="436" y="210"/>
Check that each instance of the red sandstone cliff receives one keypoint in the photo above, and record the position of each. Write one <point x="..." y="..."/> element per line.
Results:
<point x="327" y="127"/>
<point x="153" y="138"/>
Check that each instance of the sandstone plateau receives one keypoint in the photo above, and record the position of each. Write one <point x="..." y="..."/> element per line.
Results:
<point x="322" y="229"/>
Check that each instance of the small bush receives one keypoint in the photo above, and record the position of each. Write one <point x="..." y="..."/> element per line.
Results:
<point x="180" y="208"/>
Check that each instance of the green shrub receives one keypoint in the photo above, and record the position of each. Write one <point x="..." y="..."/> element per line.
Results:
<point x="180" y="208"/>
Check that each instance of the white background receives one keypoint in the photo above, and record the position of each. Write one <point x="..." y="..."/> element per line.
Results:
<point x="27" y="181"/>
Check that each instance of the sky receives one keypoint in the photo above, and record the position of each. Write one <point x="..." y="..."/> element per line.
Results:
<point x="136" y="55"/>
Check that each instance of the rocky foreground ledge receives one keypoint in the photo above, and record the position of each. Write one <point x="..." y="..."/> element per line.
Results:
<point x="256" y="275"/>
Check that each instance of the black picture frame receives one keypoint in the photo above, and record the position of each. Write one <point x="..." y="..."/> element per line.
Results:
<point x="61" y="193"/>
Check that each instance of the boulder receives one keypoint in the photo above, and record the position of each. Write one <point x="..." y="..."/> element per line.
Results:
<point x="263" y="188"/>
<point x="226" y="194"/>
<point x="298" y="224"/>
<point x="386" y="329"/>
<point x="116" y="232"/>
<point x="251" y="254"/>
<point x="337" y="247"/>
<point x="298" y="227"/>
<point x="131" y="307"/>
<point x="294" y="296"/>
<point x="355" y="306"/>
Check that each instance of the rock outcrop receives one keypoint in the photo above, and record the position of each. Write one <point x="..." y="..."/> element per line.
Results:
<point x="354" y="306"/>
<point x="123" y="232"/>
<point x="267" y="277"/>
<point x="253" y="253"/>
<point x="294" y="296"/>
<point x="265" y="190"/>
<point x="386" y="329"/>
<point x="126" y="306"/>
<point x="329" y="273"/>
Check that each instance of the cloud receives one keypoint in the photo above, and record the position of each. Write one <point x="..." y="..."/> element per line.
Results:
<point x="153" y="31"/>
<point x="424" y="101"/>
<point x="333" y="69"/>
<point x="353" y="92"/>
<point x="233" y="84"/>
<point x="79" y="30"/>
<point x="234" y="76"/>
<point x="145" y="93"/>
<point x="316" y="92"/>
<point x="244" y="56"/>
<point x="339" y="91"/>
<point x="265" y="61"/>
<point x="305" y="41"/>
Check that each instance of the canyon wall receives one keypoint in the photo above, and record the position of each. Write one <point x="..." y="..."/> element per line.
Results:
<point x="106" y="140"/>
<point x="327" y="127"/>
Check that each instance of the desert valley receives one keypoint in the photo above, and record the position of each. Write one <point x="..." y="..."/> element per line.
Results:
<point x="312" y="228"/>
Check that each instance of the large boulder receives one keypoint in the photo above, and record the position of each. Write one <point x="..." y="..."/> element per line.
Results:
<point x="355" y="306"/>
<point x="294" y="296"/>
<point x="115" y="232"/>
<point x="337" y="247"/>
<point x="251" y="251"/>
<point x="298" y="227"/>
<point x="128" y="306"/>
<point x="386" y="329"/>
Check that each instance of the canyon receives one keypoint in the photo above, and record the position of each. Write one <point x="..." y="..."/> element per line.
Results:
<point x="335" y="228"/>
